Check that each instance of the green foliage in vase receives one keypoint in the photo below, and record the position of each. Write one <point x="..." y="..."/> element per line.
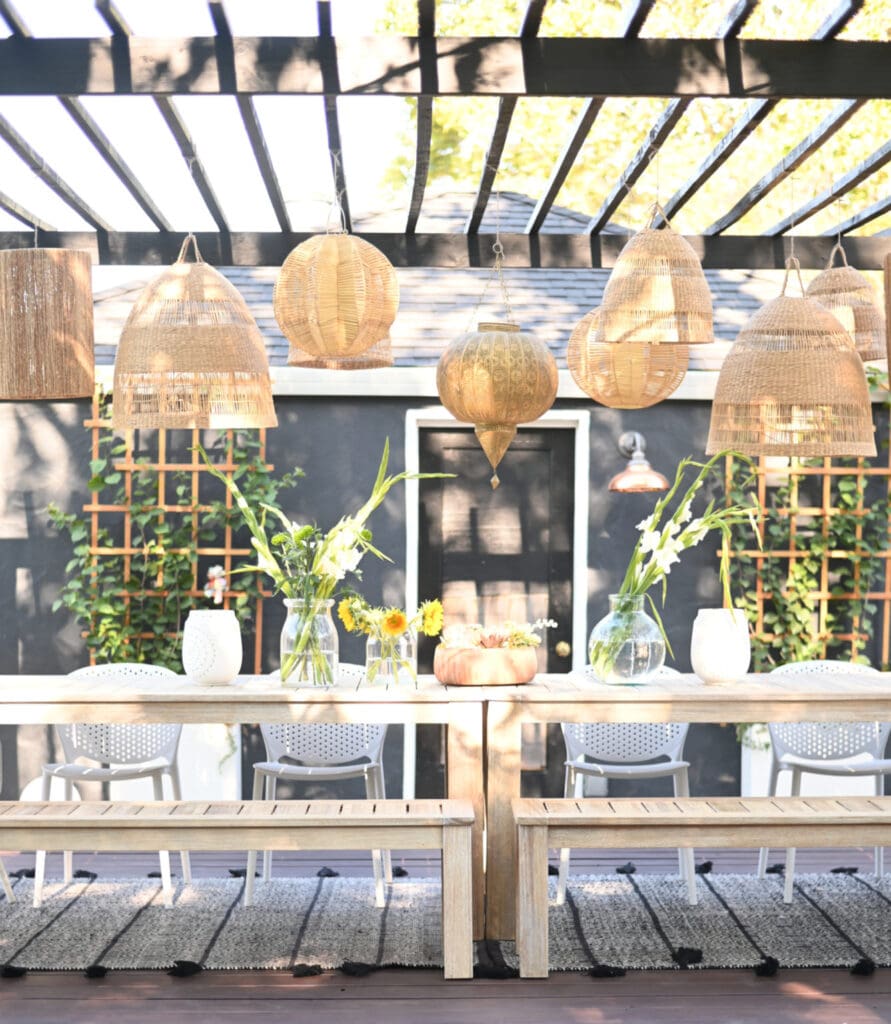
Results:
<point x="140" y="618"/>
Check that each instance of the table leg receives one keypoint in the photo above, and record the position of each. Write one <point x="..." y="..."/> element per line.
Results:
<point x="503" y="735"/>
<point x="464" y="780"/>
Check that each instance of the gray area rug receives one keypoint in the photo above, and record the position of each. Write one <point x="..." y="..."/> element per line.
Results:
<point x="608" y="923"/>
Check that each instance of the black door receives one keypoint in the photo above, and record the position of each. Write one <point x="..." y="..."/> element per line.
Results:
<point x="497" y="555"/>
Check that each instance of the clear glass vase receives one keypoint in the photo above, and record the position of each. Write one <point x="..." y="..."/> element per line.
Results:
<point x="309" y="644"/>
<point x="627" y="645"/>
<point x="392" y="660"/>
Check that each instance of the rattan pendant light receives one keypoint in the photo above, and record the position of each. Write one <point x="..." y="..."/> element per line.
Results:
<point x="849" y="296"/>
<point x="626" y="375"/>
<point x="657" y="292"/>
<point x="335" y="298"/>
<point x="191" y="355"/>
<point x="495" y="378"/>
<point x="46" y="324"/>
<point x="379" y="355"/>
<point x="792" y="384"/>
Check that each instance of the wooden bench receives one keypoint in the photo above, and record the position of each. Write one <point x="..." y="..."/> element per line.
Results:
<point x="268" y="825"/>
<point x="724" y="822"/>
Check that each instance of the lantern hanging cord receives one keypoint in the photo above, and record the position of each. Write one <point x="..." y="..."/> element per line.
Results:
<point x="498" y="249"/>
<point x="336" y="207"/>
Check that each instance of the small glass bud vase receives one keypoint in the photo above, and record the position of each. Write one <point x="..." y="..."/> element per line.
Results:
<point x="626" y="646"/>
<point x="720" y="648"/>
<point x="392" y="660"/>
<point x="309" y="644"/>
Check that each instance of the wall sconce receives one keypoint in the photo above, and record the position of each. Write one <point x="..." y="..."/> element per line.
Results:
<point x="638" y="476"/>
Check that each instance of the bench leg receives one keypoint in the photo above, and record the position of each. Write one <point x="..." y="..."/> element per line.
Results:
<point x="252" y="854"/>
<point x="178" y="795"/>
<point x="7" y="885"/>
<point x="532" y="900"/>
<point x="163" y="855"/>
<point x="795" y="790"/>
<point x="457" y="901"/>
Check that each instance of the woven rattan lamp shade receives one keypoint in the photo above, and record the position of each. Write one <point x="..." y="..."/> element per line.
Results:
<point x="46" y="324"/>
<point x="495" y="378"/>
<point x="851" y="299"/>
<point x="335" y="297"/>
<point x="627" y="375"/>
<point x="191" y="355"/>
<point x="656" y="293"/>
<point x="792" y="384"/>
<point x="379" y="355"/>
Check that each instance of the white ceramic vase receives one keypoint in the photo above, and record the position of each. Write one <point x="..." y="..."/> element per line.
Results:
<point x="212" y="649"/>
<point x="720" y="648"/>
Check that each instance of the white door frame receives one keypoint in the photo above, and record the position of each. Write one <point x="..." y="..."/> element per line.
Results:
<point x="578" y="420"/>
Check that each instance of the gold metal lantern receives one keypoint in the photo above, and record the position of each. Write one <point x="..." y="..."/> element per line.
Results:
<point x="191" y="355"/>
<point x="495" y="378"/>
<point x="792" y="384"/>
<point x="335" y="297"/>
<point x="657" y="292"/>
<point x="851" y="299"/>
<point x="46" y="324"/>
<point x="625" y="375"/>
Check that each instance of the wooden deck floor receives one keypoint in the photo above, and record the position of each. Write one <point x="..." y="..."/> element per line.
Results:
<point x="397" y="996"/>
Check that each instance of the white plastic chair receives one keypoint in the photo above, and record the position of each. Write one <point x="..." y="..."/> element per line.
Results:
<point x="4" y="878"/>
<point x="322" y="752"/>
<point x="825" y="748"/>
<point x="609" y="750"/>
<point x="120" y="753"/>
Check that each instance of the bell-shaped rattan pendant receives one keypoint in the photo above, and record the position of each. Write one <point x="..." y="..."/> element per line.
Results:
<point x="46" y="324"/>
<point x="627" y="375"/>
<point x="851" y="299"/>
<point x="657" y="292"/>
<point x="191" y="355"/>
<point x="495" y="378"/>
<point x="336" y="296"/>
<point x="792" y="384"/>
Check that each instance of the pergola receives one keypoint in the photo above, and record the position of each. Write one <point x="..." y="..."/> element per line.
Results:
<point x="426" y="66"/>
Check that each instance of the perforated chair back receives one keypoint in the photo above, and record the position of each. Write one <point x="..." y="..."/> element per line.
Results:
<point x="318" y="745"/>
<point x="626" y="743"/>
<point x="120" y="743"/>
<point x="828" y="741"/>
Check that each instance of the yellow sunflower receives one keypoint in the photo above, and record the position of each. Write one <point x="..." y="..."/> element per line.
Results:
<point x="345" y="614"/>
<point x="394" y="622"/>
<point x="431" y="622"/>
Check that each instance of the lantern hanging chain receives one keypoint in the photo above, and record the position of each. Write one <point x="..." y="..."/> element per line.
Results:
<point x="498" y="249"/>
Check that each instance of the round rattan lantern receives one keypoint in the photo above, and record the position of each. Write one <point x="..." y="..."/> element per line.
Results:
<point x="627" y="375"/>
<point x="378" y="356"/>
<point x="851" y="299"/>
<point x="191" y="355"/>
<point x="792" y="384"/>
<point x="46" y="324"/>
<point x="335" y="297"/>
<point x="495" y="378"/>
<point x="657" y="292"/>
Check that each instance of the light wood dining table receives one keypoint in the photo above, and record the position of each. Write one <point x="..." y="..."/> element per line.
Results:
<point x="484" y="726"/>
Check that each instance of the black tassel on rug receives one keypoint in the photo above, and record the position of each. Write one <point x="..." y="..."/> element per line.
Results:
<point x="864" y="967"/>
<point x="356" y="969"/>
<point x="306" y="970"/>
<point x="11" y="972"/>
<point x="844" y="871"/>
<point x="327" y="873"/>
<point x="626" y="869"/>
<point x="22" y="873"/>
<point x="86" y="874"/>
<point x="184" y="969"/>
<point x="241" y="873"/>
<point x="400" y="872"/>
<point x="705" y="868"/>
<point x="491" y="963"/>
<point x="605" y="971"/>
<point x="684" y="956"/>
<point x="95" y="971"/>
<point x="157" y="874"/>
<point x="553" y="869"/>
<point x="775" y="869"/>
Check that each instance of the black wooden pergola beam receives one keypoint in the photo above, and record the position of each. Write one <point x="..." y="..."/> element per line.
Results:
<point x="581" y="251"/>
<point x="18" y="211"/>
<point x="858" y="220"/>
<point x="788" y="165"/>
<point x="756" y="111"/>
<point x="852" y="179"/>
<point x="500" y="66"/>
<point x="331" y="87"/>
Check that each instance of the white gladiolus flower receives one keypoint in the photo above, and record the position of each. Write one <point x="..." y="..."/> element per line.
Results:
<point x="645" y="524"/>
<point x="649" y="541"/>
<point x="684" y="513"/>
<point x="665" y="559"/>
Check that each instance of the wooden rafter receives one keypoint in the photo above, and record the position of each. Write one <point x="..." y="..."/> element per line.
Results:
<point x="498" y="66"/>
<point x="852" y="179"/>
<point x="265" y="249"/>
<point x="331" y="87"/>
<point x="790" y="162"/>
<point x="18" y="211"/>
<point x="755" y="113"/>
<point x="878" y="208"/>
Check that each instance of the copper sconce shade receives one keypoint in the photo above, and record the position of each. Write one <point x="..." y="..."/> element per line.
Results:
<point x="638" y="476"/>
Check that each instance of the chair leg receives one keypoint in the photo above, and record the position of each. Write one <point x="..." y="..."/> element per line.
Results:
<point x="377" y="860"/>
<point x="573" y="785"/>
<point x="163" y="855"/>
<point x="251" y="867"/>
<point x="879" y="853"/>
<point x="686" y="856"/>
<point x="176" y="786"/>
<point x="267" y="854"/>
<point x="68" y="856"/>
<point x="7" y="885"/>
<point x="790" y="852"/>
<point x="771" y="791"/>
<point x="40" y="855"/>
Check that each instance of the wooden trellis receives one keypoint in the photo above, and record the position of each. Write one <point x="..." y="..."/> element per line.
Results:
<point x="227" y="554"/>
<point x="817" y="518"/>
